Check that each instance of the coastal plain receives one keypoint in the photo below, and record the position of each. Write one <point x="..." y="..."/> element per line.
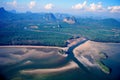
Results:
<point x="43" y="62"/>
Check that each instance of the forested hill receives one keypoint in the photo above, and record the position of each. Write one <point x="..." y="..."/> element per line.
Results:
<point x="99" y="23"/>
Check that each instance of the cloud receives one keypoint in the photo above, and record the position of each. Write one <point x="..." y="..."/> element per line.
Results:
<point x="32" y="4"/>
<point x="79" y="5"/>
<point x="90" y="8"/>
<point x="49" y="6"/>
<point x="13" y="3"/>
<point x="114" y="9"/>
<point x="95" y="7"/>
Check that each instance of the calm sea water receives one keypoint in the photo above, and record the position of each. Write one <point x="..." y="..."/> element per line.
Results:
<point x="114" y="63"/>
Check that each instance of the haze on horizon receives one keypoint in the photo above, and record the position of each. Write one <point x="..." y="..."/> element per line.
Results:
<point x="110" y="8"/>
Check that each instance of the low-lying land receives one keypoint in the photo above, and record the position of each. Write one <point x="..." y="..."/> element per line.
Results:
<point x="35" y="60"/>
<point x="91" y="53"/>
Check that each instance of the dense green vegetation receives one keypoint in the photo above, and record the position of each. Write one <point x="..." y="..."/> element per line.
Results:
<point x="103" y="67"/>
<point x="27" y="37"/>
<point x="21" y="33"/>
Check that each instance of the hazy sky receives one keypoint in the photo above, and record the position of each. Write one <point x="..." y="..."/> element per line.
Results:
<point x="67" y="6"/>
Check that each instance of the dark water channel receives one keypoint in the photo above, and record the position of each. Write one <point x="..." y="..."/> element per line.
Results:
<point x="81" y="73"/>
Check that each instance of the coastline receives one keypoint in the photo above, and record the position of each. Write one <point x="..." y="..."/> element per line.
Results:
<point x="84" y="53"/>
<point x="70" y="65"/>
<point x="27" y="46"/>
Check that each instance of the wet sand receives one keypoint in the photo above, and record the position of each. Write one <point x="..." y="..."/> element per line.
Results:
<point x="89" y="48"/>
<point x="70" y="65"/>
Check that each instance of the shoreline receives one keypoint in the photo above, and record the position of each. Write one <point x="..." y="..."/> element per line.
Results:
<point x="28" y="46"/>
<point x="81" y="47"/>
<point x="70" y="65"/>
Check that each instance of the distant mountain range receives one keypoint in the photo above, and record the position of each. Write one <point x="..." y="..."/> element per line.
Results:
<point x="12" y="15"/>
<point x="57" y="17"/>
<point x="4" y="15"/>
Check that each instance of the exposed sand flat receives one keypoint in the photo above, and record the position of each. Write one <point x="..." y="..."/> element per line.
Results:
<point x="74" y="41"/>
<point x="85" y="61"/>
<point x="87" y="53"/>
<point x="91" y="47"/>
<point x="27" y="62"/>
<point x="71" y="65"/>
<point x="90" y="52"/>
<point x="25" y="46"/>
<point x="37" y="52"/>
<point x="15" y="54"/>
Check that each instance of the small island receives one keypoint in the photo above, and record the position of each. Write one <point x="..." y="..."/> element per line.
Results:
<point x="103" y="67"/>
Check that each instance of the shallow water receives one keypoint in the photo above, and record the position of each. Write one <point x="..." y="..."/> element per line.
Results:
<point x="114" y="63"/>
<point x="11" y="71"/>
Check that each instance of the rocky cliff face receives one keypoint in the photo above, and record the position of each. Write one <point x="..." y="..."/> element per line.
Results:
<point x="49" y="17"/>
<point x="69" y="20"/>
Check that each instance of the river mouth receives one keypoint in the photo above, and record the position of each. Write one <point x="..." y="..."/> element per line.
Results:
<point x="45" y="63"/>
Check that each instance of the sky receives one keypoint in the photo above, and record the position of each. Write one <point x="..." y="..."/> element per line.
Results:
<point x="79" y="7"/>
